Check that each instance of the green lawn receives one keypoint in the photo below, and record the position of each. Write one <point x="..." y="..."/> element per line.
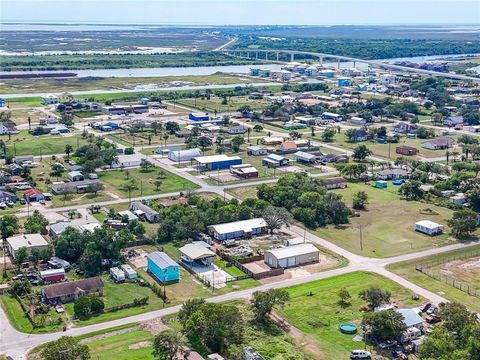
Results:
<point x="215" y="103"/>
<point x="386" y="224"/>
<point x="314" y="309"/>
<point x="27" y="144"/>
<point x="468" y="275"/>
<point x="145" y="181"/>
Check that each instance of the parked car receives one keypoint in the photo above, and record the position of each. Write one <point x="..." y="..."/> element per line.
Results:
<point x="388" y="344"/>
<point x="360" y="354"/>
<point x="431" y="310"/>
<point x="425" y="306"/>
<point x="432" y="319"/>
<point x="399" y="354"/>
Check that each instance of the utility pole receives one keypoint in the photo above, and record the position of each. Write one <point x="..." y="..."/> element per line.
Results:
<point x="361" y="238"/>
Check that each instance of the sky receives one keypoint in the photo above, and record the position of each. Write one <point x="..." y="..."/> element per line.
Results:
<point x="244" y="12"/>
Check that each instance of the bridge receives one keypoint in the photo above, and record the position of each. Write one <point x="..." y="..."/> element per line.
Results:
<point x="274" y="55"/>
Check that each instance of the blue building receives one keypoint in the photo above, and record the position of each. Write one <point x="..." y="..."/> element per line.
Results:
<point x="198" y="117"/>
<point x="343" y="81"/>
<point x="107" y="126"/>
<point x="162" y="267"/>
<point x="2" y="102"/>
<point x="217" y="162"/>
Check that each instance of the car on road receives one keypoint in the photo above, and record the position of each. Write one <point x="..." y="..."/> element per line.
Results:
<point x="425" y="306"/>
<point x="388" y="344"/>
<point x="360" y="354"/>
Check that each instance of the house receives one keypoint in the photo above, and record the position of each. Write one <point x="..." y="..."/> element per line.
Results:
<point x="405" y="128"/>
<point x="387" y="79"/>
<point x="244" y="171"/>
<point x="236" y="130"/>
<point x="327" y="73"/>
<point x="7" y="196"/>
<point x="335" y="183"/>
<point x="128" y="214"/>
<point x="251" y="354"/>
<point x="65" y="97"/>
<point x="8" y="128"/>
<point x="28" y="241"/>
<point x="294" y="125"/>
<point x="75" y="176"/>
<point x="359" y="135"/>
<point x="129" y="272"/>
<point x="411" y="318"/>
<point x="392" y="174"/>
<point x="217" y="162"/>
<point x="287" y="147"/>
<point x="406" y="150"/>
<point x="306" y="158"/>
<point x="358" y="120"/>
<point x="440" y="143"/>
<point x="291" y="256"/>
<point x="275" y="161"/>
<point x="144" y="212"/>
<point x="79" y="187"/>
<point x="453" y="121"/>
<point x="22" y="160"/>
<point x="49" y="99"/>
<point x="238" y="229"/>
<point x="15" y="169"/>
<point x="332" y="116"/>
<point x="458" y="199"/>
<point x="32" y="195"/>
<point x="52" y="275"/>
<point x="184" y="155"/>
<point x="72" y="290"/>
<point x="162" y="267"/>
<point x="255" y="150"/>
<point x="57" y="229"/>
<point x="127" y="161"/>
<point x="196" y="254"/>
<point x="294" y="241"/>
<point x="183" y="133"/>
<point x="307" y="120"/>
<point x="428" y="227"/>
<point x="198" y="117"/>
<point x="271" y="140"/>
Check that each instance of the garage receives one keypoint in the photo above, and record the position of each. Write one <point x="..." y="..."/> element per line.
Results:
<point x="291" y="256"/>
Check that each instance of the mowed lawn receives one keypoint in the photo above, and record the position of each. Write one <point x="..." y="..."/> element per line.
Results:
<point x="314" y="309"/>
<point x="132" y="345"/>
<point x="144" y="180"/>
<point x="468" y="275"/>
<point x="386" y="224"/>
<point x="27" y="144"/>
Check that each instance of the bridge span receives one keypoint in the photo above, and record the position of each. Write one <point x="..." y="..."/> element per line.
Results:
<point x="267" y="55"/>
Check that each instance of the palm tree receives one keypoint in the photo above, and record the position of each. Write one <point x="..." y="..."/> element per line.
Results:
<point x="157" y="183"/>
<point x="130" y="186"/>
<point x="165" y="137"/>
<point x="68" y="150"/>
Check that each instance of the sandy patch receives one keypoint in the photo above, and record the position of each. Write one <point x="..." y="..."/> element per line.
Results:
<point x="140" y="345"/>
<point x="153" y="326"/>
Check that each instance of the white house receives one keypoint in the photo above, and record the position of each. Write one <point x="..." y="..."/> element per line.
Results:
<point x="28" y="241"/>
<point x="75" y="176"/>
<point x="428" y="227"/>
<point x="49" y="99"/>
<point x="387" y="79"/>
<point x="238" y="229"/>
<point x="127" y="161"/>
<point x="292" y="256"/>
<point x="255" y="150"/>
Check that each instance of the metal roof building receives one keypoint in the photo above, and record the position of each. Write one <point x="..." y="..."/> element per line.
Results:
<point x="292" y="256"/>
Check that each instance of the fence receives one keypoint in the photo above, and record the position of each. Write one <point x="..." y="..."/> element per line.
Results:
<point x="426" y="268"/>
<point x="240" y="264"/>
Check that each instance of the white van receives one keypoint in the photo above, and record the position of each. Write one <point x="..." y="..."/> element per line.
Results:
<point x="360" y="354"/>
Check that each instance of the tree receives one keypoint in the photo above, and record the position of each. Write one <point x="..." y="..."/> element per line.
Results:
<point x="21" y="288"/>
<point x="130" y="186"/>
<point x="328" y="135"/>
<point x="96" y="304"/>
<point x="263" y="302"/>
<point x="188" y="308"/>
<point x="361" y="152"/>
<point x="440" y="344"/>
<point x="237" y="141"/>
<point x="258" y="128"/>
<point x="424" y="133"/>
<point x="344" y="297"/>
<point x="276" y="217"/>
<point x="65" y="348"/>
<point x="411" y="190"/>
<point x="168" y="344"/>
<point x="21" y="255"/>
<point x="157" y="183"/>
<point x="374" y="296"/>
<point x="360" y="199"/>
<point x="463" y="222"/>
<point x="456" y="317"/>
<point x="171" y="127"/>
<point x="204" y="142"/>
<point x="91" y="260"/>
<point x="68" y="150"/>
<point x="57" y="170"/>
<point x="82" y="307"/>
<point x="35" y="223"/>
<point x="384" y="325"/>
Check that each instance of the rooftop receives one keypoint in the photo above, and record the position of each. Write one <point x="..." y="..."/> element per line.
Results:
<point x="26" y="240"/>
<point x="295" y="250"/>
<point x="161" y="259"/>
<point x="215" y="158"/>
<point x="196" y="251"/>
<point x="244" y="225"/>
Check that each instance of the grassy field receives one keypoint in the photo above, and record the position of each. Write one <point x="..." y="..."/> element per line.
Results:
<point x="314" y="310"/>
<point x="145" y="182"/>
<point x="243" y="192"/>
<point x="27" y="144"/>
<point x="464" y="270"/>
<point x="215" y="103"/>
<point x="386" y="224"/>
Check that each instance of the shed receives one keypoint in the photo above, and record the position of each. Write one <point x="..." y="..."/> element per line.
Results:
<point x="381" y="184"/>
<point x="53" y="275"/>
<point x="292" y="256"/>
<point x="428" y="227"/>
<point x="184" y="155"/>
<point x="274" y="161"/>
<point x="75" y="176"/>
<point x="198" y="117"/>
<point x="117" y="274"/>
<point x="406" y="150"/>
<point x="245" y="171"/>
<point x="255" y="150"/>
<point x="162" y="267"/>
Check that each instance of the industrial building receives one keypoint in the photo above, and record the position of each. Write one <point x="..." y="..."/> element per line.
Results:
<point x="291" y="256"/>
<point x="198" y="117"/>
<point x="27" y="241"/>
<point x="184" y="155"/>
<point x="216" y="162"/>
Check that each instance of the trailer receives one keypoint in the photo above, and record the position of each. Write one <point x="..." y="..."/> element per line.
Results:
<point x="117" y="274"/>
<point x="52" y="275"/>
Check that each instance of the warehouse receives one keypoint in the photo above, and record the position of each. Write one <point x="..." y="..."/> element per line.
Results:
<point x="198" y="117"/>
<point x="216" y="162"/>
<point x="238" y="229"/>
<point x="184" y="155"/>
<point x="292" y="256"/>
